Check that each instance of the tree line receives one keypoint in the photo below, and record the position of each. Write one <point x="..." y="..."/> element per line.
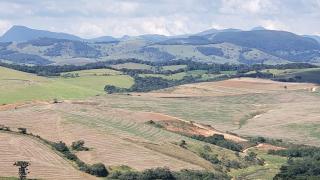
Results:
<point x="55" y="70"/>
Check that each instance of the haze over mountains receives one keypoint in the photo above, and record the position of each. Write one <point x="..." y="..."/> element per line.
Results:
<point x="24" y="45"/>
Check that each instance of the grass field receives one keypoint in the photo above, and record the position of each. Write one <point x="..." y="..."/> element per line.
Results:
<point x="17" y="86"/>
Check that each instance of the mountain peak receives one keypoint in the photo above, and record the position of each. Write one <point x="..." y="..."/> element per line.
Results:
<point x="18" y="33"/>
<point x="259" y="28"/>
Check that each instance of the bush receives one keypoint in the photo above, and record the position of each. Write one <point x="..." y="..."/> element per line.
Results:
<point x="130" y="175"/>
<point x="182" y="143"/>
<point x="23" y="130"/>
<point x="60" y="146"/>
<point x="79" y="146"/>
<point x="98" y="170"/>
<point x="157" y="173"/>
<point x="195" y="175"/>
<point x="113" y="89"/>
<point x="211" y="158"/>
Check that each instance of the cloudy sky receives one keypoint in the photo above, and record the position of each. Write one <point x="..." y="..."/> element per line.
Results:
<point x="92" y="18"/>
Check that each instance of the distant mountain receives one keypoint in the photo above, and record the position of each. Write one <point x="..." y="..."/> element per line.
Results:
<point x="104" y="39"/>
<point x="145" y="37"/>
<point x="219" y="46"/>
<point x="317" y="38"/>
<point x="22" y="34"/>
<point x="215" y="31"/>
<point x="153" y="37"/>
<point x="279" y="43"/>
<point x="258" y="28"/>
<point x="209" y="31"/>
<point x="267" y="40"/>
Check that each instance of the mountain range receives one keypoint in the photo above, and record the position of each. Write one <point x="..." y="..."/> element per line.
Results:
<point x="24" y="45"/>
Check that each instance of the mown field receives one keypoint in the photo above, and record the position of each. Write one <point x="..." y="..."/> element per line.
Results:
<point x="116" y="127"/>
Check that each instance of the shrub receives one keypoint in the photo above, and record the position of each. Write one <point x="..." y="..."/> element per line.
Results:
<point x="79" y="146"/>
<point x="211" y="158"/>
<point x="60" y="146"/>
<point x="98" y="170"/>
<point x="129" y="175"/>
<point x="182" y="143"/>
<point x="157" y="173"/>
<point x="23" y="130"/>
<point x="195" y="174"/>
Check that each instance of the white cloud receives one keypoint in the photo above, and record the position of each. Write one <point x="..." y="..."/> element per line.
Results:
<point x="246" y="6"/>
<point x="89" y="30"/>
<point x="273" y="25"/>
<point x="169" y="17"/>
<point x="4" y="26"/>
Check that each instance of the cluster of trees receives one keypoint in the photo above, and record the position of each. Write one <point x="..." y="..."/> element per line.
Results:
<point x="297" y="151"/>
<point x="53" y="70"/>
<point x="146" y="84"/>
<point x="219" y="140"/>
<point x="98" y="169"/>
<point x="303" y="163"/>
<point x="166" y="174"/>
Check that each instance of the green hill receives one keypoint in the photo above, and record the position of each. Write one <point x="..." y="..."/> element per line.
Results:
<point x="18" y="86"/>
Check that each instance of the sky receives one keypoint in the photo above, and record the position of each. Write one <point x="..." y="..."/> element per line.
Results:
<point x="93" y="18"/>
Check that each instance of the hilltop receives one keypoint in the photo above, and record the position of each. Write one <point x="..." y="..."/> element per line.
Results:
<point x="24" y="45"/>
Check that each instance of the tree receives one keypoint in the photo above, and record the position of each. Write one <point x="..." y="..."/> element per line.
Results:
<point x="23" y="169"/>
<point x="99" y="170"/>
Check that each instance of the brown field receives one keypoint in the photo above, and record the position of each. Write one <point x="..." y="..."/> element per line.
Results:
<point x="44" y="162"/>
<point x="232" y="87"/>
<point x="115" y="126"/>
<point x="109" y="142"/>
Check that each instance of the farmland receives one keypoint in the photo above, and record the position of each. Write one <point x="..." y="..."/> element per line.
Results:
<point x="145" y="130"/>
<point x="45" y="163"/>
<point x="27" y="87"/>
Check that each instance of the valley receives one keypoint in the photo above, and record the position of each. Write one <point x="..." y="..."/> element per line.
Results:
<point x="218" y="104"/>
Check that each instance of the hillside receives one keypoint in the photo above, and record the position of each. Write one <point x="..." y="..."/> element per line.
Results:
<point x="233" y="46"/>
<point x="46" y="164"/>
<point x="139" y="128"/>
<point x="22" y="34"/>
<point x="26" y="87"/>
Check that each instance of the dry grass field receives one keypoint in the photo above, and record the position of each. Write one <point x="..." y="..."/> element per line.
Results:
<point x="115" y="127"/>
<point x="117" y="137"/>
<point x="45" y="163"/>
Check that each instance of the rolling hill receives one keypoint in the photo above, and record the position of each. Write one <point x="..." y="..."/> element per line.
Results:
<point x="37" y="47"/>
<point x="22" y="33"/>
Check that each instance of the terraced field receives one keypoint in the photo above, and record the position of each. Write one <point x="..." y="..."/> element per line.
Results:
<point x="45" y="163"/>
